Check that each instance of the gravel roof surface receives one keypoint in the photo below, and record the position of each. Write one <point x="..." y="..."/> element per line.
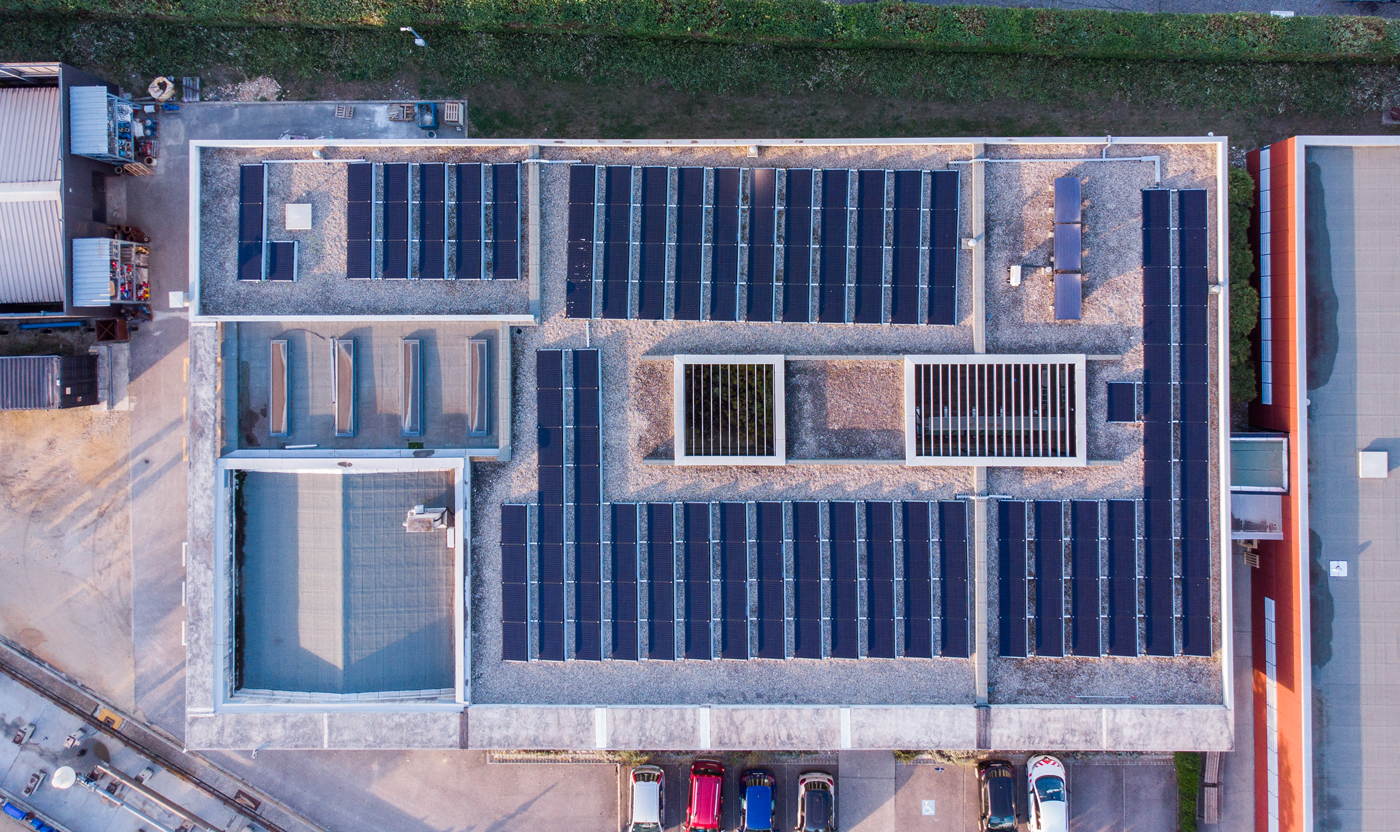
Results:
<point x="321" y="287"/>
<point x="854" y="409"/>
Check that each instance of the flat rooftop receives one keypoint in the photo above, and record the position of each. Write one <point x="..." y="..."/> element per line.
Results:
<point x="334" y="595"/>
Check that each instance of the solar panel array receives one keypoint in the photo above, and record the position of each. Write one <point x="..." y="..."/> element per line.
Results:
<point x="1049" y="578"/>
<point x="1012" y="572"/>
<point x="470" y="218"/>
<point x="823" y="575"/>
<point x="549" y="402"/>
<point x="1158" y="469"/>
<point x="1068" y="249"/>
<point x="583" y="433"/>
<point x="252" y="222"/>
<point x="359" y="221"/>
<point x="394" y="208"/>
<point x="729" y="244"/>
<point x="1194" y="415"/>
<point x="1122" y="578"/>
<point x="505" y="213"/>
<point x="432" y="221"/>
<point x="1086" y="591"/>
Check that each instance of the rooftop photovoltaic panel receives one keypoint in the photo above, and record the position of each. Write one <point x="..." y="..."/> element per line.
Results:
<point x="549" y="374"/>
<point x="1122" y="578"/>
<point x="908" y="247"/>
<point x="1069" y="296"/>
<point x="281" y="261"/>
<point x="953" y="572"/>
<point x="359" y="220"/>
<point x="724" y="256"/>
<point x="879" y="550"/>
<point x="617" y="236"/>
<point x="1122" y="401"/>
<point x="807" y="586"/>
<point x="698" y="606"/>
<point x="470" y="220"/>
<point x="918" y="581"/>
<point x="1194" y="431"/>
<point x="505" y="205"/>
<point x="831" y="296"/>
<point x="1011" y="584"/>
<point x="432" y="221"/>
<point x="1086" y="589"/>
<point x="1068" y="247"/>
<point x="586" y="475"/>
<point x="870" y="248"/>
<point x="578" y="290"/>
<point x="771" y="611"/>
<point x="395" y="212"/>
<point x="661" y="582"/>
<point x="1068" y="204"/>
<point x="943" y="267"/>
<point x="515" y="589"/>
<point x="624" y="582"/>
<point x="734" y="575"/>
<point x="845" y="612"/>
<point x="1049" y="578"/>
<point x="797" y="248"/>
<point x="252" y="221"/>
<point x="651" y="288"/>
<point x="763" y="226"/>
<point x="690" y="235"/>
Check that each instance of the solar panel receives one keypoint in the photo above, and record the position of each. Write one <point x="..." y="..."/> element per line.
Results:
<point x="587" y="477"/>
<point x="953" y="571"/>
<point x="1068" y="247"/>
<point x="1086" y="590"/>
<point x="918" y="582"/>
<point x="1156" y="208"/>
<point x="797" y="242"/>
<point x="1068" y="204"/>
<point x="1011" y="583"/>
<point x="432" y="221"/>
<point x="763" y="219"/>
<point x="807" y="599"/>
<point x="617" y="236"/>
<point x="578" y="296"/>
<point x="771" y="612"/>
<point x="734" y="574"/>
<point x="359" y="220"/>
<point x="651" y="288"/>
<point x="624" y="581"/>
<point x="904" y="278"/>
<point x="845" y="614"/>
<point x="724" y="256"/>
<point x="661" y="582"/>
<point x="870" y="248"/>
<point x="1122" y="401"/>
<point x="282" y="261"/>
<point x="1069" y="296"/>
<point x="251" y="221"/>
<point x="1122" y="578"/>
<point x="550" y="476"/>
<point x="690" y="195"/>
<point x="515" y="593"/>
<point x="1192" y="208"/>
<point x="395" y="210"/>
<point x="1049" y="578"/>
<point x="1159" y="629"/>
<point x="943" y="269"/>
<point x="505" y="213"/>
<point x="831" y="296"/>
<point x="879" y="551"/>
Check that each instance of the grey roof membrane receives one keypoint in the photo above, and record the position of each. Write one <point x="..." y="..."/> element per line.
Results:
<point x="334" y="595"/>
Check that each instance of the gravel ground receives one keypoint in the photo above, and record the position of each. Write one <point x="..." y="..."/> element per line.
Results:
<point x="321" y="287"/>
<point x="856" y="396"/>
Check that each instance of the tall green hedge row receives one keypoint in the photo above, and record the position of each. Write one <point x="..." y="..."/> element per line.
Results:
<point x="903" y="25"/>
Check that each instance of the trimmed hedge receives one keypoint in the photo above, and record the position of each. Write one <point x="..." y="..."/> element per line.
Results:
<point x="899" y="25"/>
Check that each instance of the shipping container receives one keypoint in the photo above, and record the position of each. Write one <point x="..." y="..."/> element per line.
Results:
<point x="47" y="382"/>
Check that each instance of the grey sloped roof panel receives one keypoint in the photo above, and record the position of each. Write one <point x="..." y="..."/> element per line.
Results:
<point x="29" y="135"/>
<point x="29" y="382"/>
<point x="31" y="252"/>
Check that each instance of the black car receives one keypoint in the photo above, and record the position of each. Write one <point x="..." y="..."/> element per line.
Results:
<point x="997" y="780"/>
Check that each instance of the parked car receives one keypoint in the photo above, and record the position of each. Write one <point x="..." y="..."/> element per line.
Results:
<point x="756" y="801"/>
<point x="648" y="799"/>
<point x="1046" y="793"/>
<point x="997" y="781"/>
<point x="816" y="802"/>
<point x="704" y="804"/>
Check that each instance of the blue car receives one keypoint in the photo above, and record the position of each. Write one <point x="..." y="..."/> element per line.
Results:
<point x="756" y="800"/>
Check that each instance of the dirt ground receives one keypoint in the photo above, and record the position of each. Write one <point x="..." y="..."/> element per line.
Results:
<point x="65" y="543"/>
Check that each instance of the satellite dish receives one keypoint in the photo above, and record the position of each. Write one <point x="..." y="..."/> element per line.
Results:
<point x="64" y="778"/>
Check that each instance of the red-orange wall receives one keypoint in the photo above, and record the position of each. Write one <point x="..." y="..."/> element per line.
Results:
<point x="1278" y="574"/>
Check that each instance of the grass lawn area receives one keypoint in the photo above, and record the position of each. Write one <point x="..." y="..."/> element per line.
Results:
<point x="593" y="86"/>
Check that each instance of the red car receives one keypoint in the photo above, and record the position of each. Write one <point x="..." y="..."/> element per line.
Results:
<point x="704" y="805"/>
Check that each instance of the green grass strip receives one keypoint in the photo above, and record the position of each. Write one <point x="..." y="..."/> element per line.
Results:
<point x="899" y="25"/>
<point x="1188" y="781"/>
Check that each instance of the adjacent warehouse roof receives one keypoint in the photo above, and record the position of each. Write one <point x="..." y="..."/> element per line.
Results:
<point x="31" y="230"/>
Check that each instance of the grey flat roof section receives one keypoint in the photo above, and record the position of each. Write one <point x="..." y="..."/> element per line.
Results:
<point x="1353" y="306"/>
<point x="335" y="596"/>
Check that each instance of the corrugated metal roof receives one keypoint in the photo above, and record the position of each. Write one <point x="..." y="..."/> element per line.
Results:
<point x="29" y="382"/>
<point x="31" y="252"/>
<point x="30" y="149"/>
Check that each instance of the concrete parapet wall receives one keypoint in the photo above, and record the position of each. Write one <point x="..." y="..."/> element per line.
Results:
<point x="345" y="730"/>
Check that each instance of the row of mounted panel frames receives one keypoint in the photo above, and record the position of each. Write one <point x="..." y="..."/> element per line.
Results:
<point x="344" y="396"/>
<point x="763" y="244"/>
<point x="841" y="579"/>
